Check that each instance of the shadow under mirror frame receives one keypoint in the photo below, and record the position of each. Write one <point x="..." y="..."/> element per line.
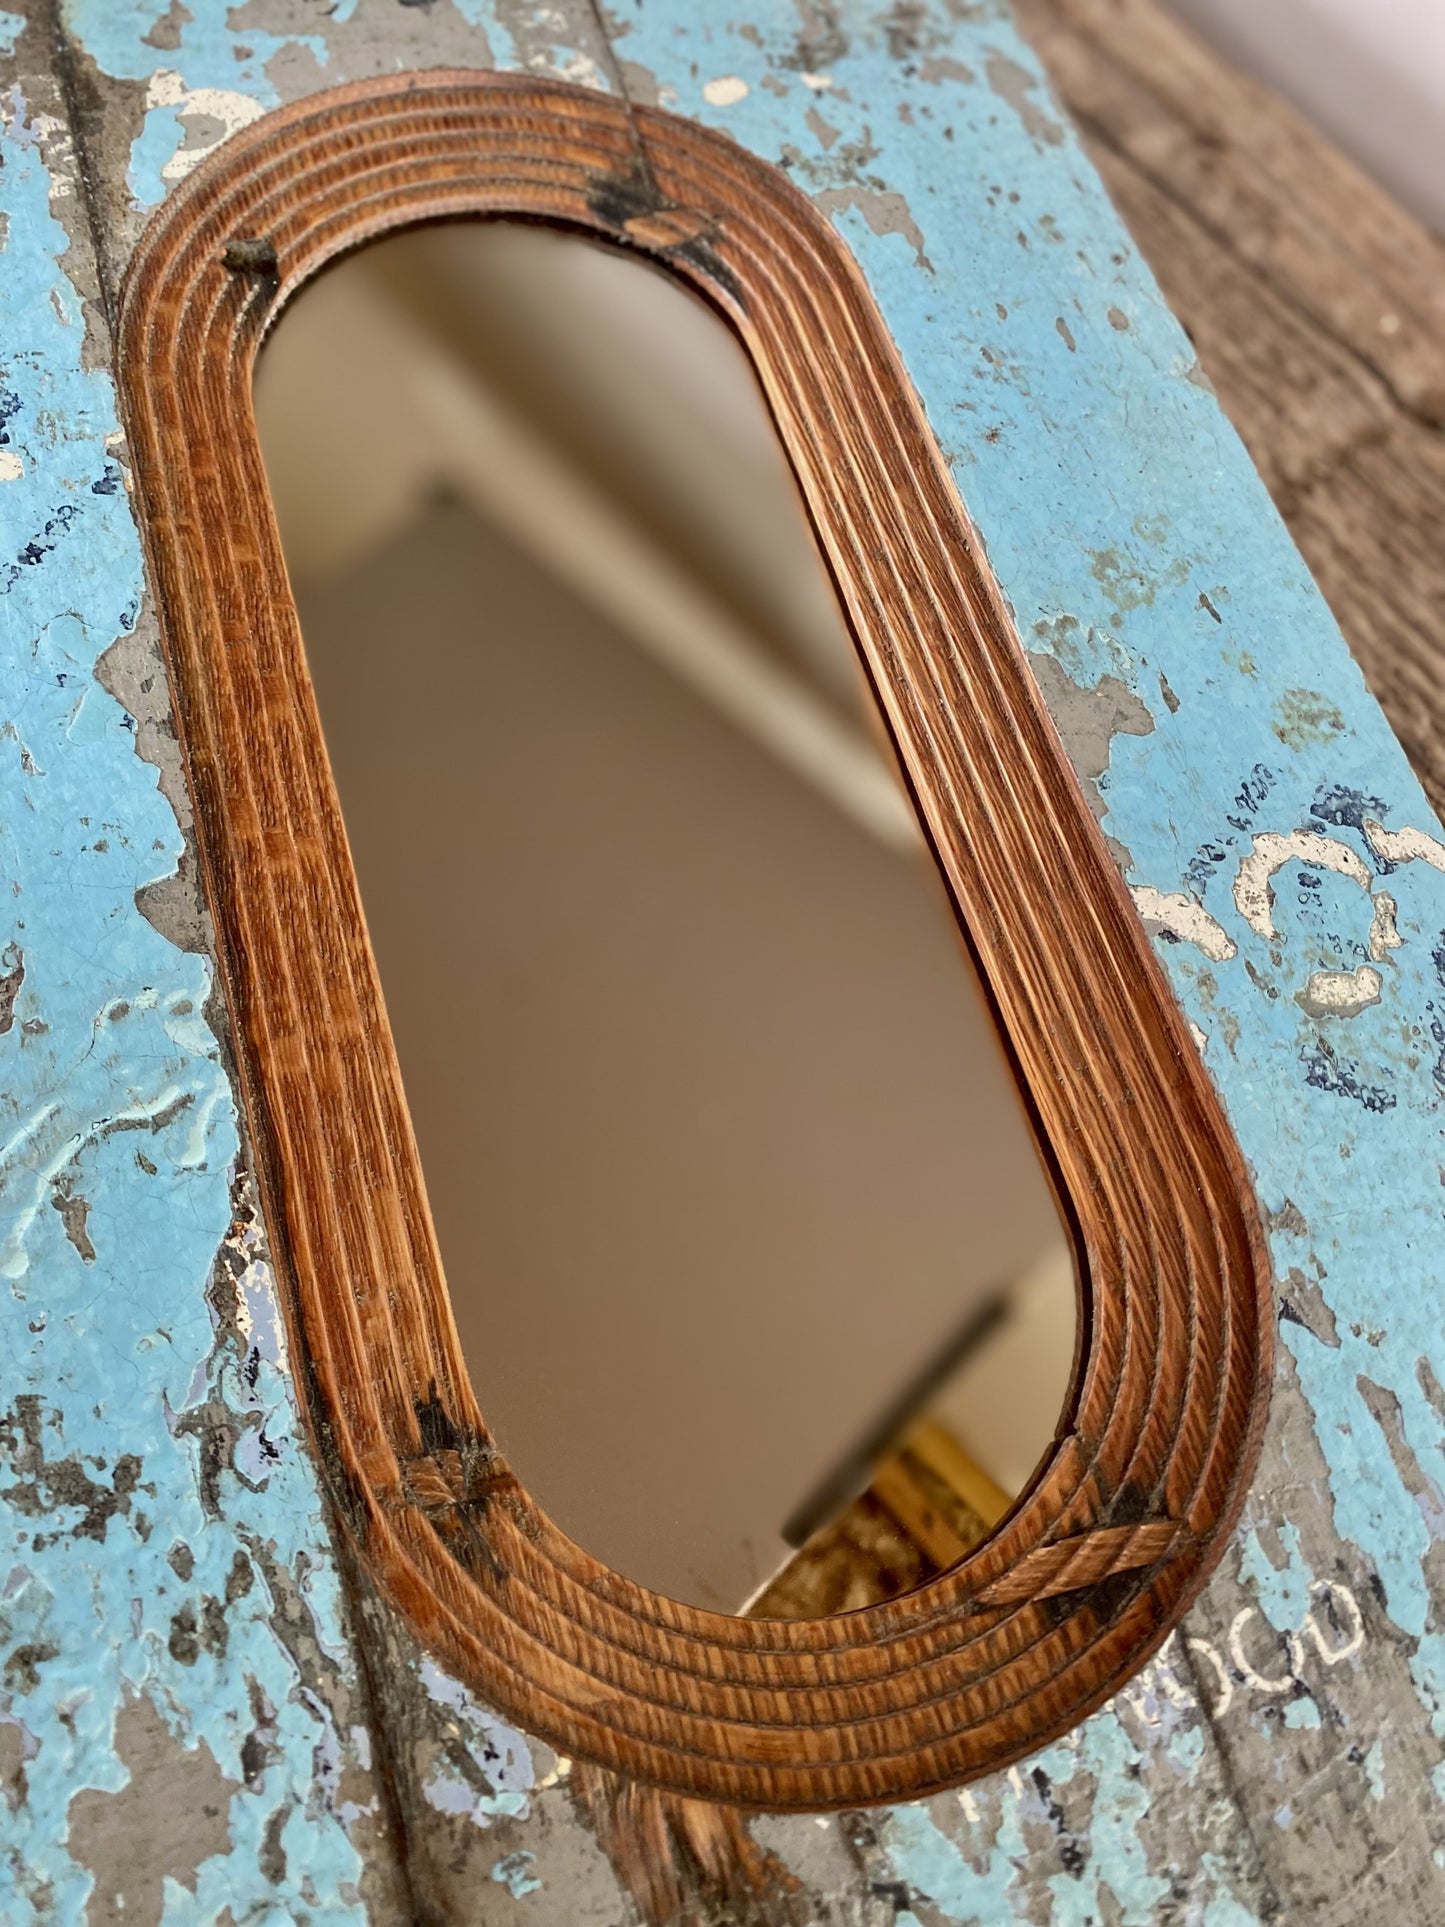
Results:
<point x="1135" y="1501"/>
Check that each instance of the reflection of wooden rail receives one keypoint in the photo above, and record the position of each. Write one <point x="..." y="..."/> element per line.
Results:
<point x="926" y="1506"/>
<point x="946" y="1500"/>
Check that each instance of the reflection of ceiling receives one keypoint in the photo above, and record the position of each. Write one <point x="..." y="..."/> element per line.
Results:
<point x="629" y="391"/>
<point x="1372" y="76"/>
<point x="661" y="501"/>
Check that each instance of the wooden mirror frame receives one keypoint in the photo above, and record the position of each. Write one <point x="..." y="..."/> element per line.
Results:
<point x="1135" y="1501"/>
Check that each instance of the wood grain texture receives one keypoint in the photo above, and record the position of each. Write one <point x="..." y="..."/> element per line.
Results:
<point x="1084" y="1580"/>
<point x="1317" y="306"/>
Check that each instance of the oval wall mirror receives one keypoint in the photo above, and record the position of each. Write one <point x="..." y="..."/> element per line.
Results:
<point x="740" y="857"/>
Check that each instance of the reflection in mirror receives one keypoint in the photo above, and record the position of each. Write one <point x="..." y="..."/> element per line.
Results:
<point x="761" y="1285"/>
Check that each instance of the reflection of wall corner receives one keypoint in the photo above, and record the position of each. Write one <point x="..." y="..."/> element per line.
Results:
<point x="1372" y="77"/>
<point x="462" y="435"/>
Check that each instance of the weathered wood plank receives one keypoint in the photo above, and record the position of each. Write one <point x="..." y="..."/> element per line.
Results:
<point x="1317" y="306"/>
<point x="1258" y="178"/>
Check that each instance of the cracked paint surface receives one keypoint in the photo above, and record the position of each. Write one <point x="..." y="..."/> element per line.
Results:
<point x="167" y="1595"/>
<point x="1278" y="848"/>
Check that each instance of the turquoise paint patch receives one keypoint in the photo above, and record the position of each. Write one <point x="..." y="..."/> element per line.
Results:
<point x="932" y="1865"/>
<point x="1116" y="1853"/>
<point x="1283" y="1591"/>
<point x="516" y="1875"/>
<point x="1222" y="1909"/>
<point x="118" y="1138"/>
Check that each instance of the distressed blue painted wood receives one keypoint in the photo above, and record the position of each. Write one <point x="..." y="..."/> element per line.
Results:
<point x="174" y="1616"/>
<point x="168" y="1590"/>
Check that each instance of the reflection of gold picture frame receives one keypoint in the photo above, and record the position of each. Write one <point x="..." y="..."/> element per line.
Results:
<point x="1082" y="1580"/>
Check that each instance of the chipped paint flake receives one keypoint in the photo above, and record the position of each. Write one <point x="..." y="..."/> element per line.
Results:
<point x="1184" y="920"/>
<point x="1340" y="993"/>
<point x="1404" y="846"/>
<point x="492" y="1776"/>
<point x="726" y="91"/>
<point x="516" y="1872"/>
<point x="1384" y="935"/>
<point x="1270" y="852"/>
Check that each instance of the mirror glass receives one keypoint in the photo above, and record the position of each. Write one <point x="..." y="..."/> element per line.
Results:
<point x="761" y="1284"/>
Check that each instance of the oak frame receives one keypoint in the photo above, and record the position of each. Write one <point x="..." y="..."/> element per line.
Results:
<point x="1134" y="1505"/>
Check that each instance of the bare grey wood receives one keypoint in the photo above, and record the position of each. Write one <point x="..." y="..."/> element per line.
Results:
<point x="1317" y="306"/>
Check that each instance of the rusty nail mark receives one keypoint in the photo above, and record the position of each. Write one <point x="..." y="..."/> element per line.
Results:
<point x="247" y="256"/>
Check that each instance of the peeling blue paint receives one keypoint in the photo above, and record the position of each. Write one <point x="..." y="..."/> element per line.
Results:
<point x="1222" y="1909"/>
<point x="1079" y="1802"/>
<point x="972" y="1879"/>
<point x="1282" y="1590"/>
<point x="1133" y="540"/>
<point x="121" y="1581"/>
<point x="210" y="55"/>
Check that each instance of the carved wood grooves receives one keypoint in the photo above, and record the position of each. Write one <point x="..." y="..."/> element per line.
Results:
<point x="1082" y="1582"/>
